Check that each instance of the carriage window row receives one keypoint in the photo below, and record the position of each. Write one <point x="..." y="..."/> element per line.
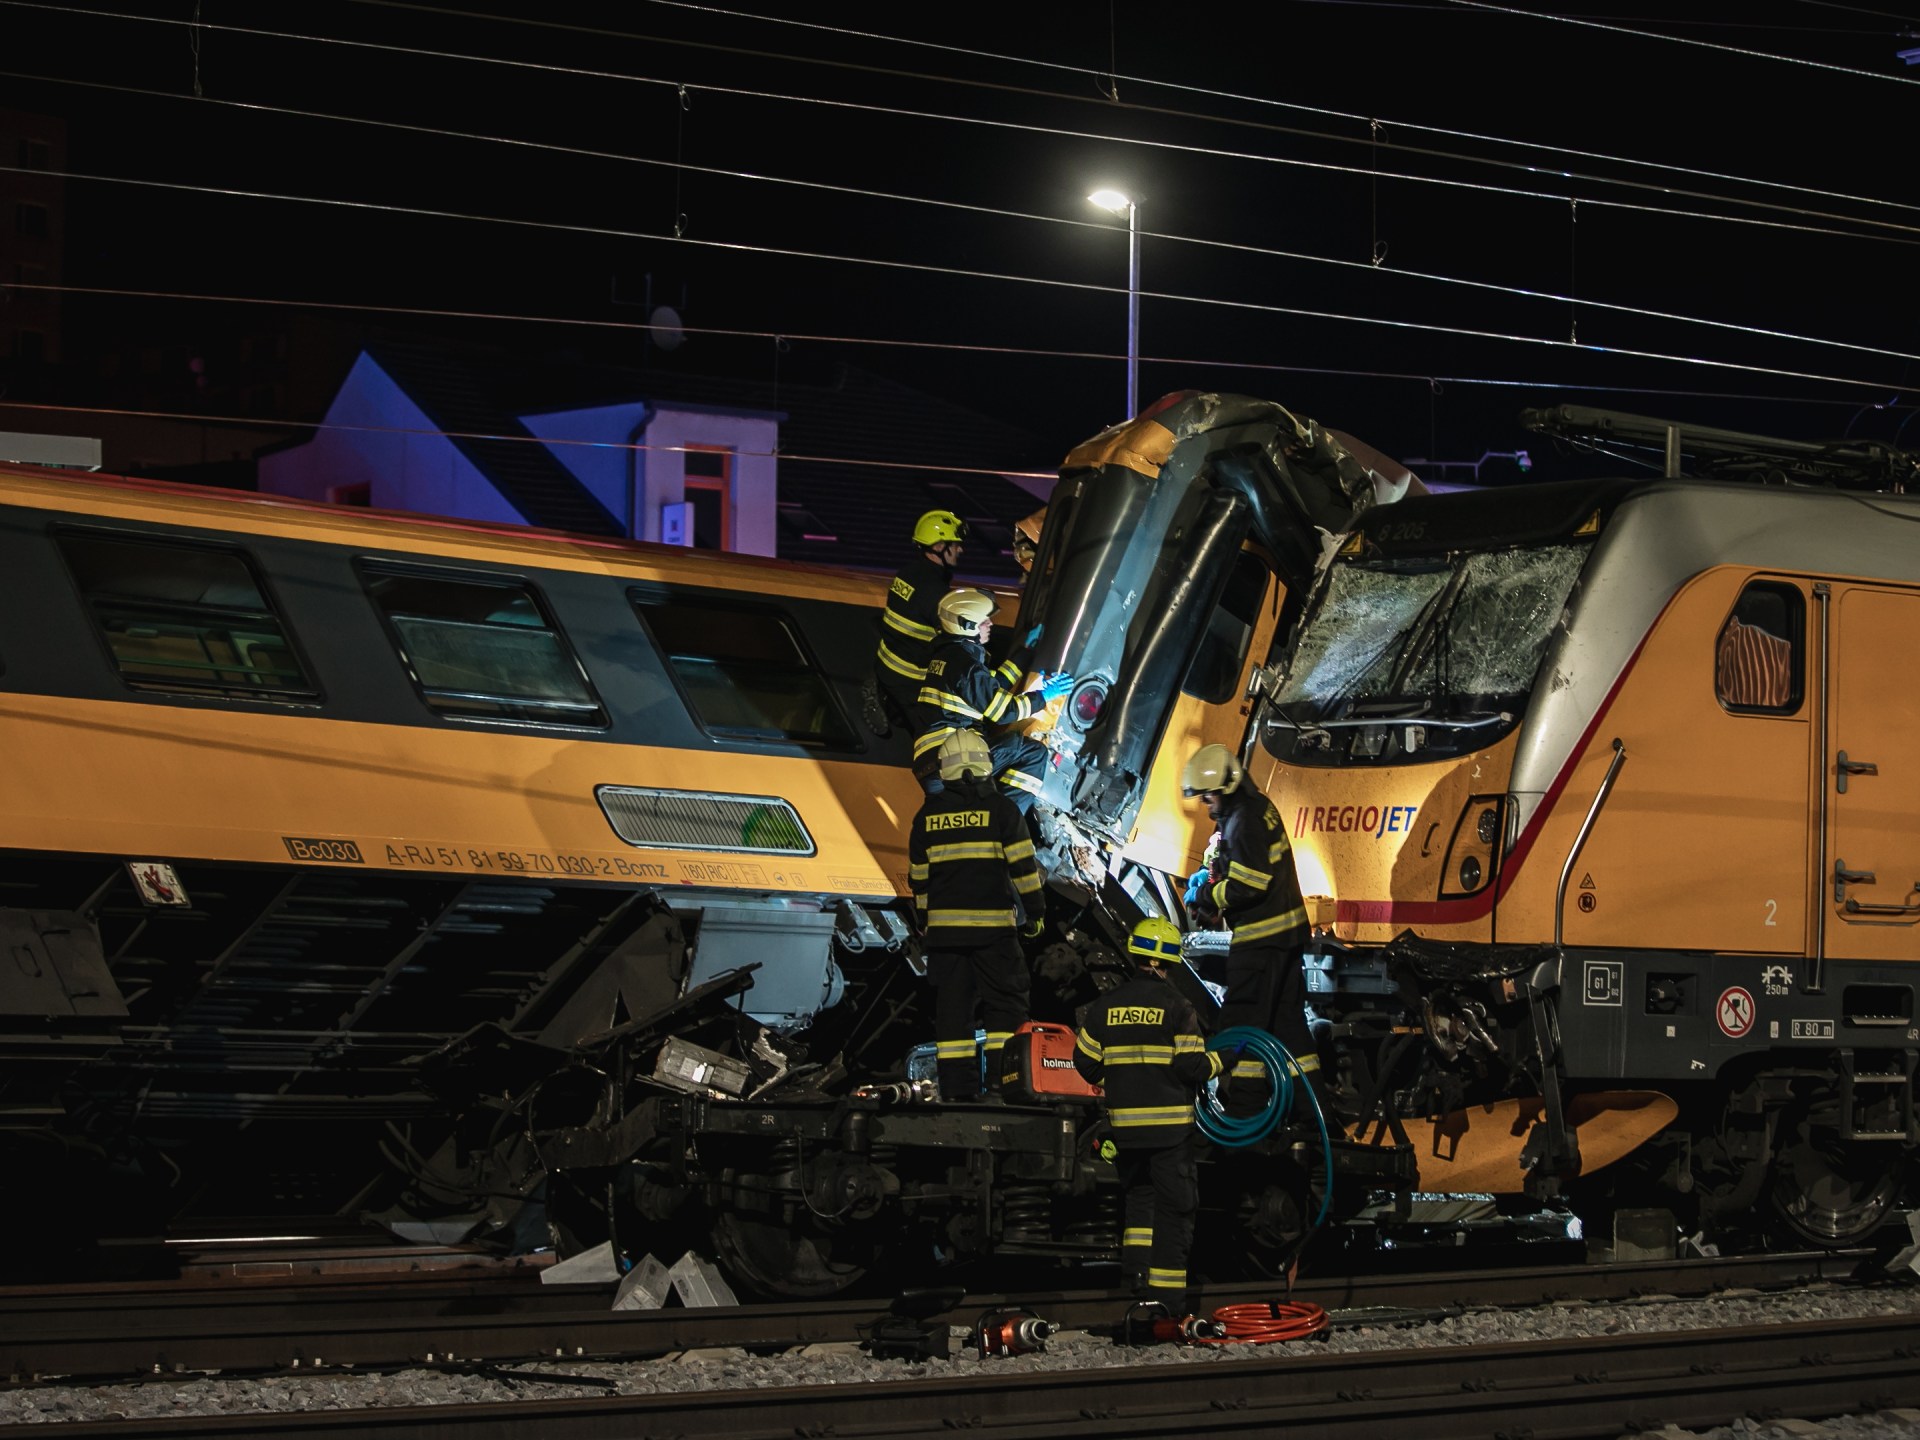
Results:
<point x="196" y="619"/>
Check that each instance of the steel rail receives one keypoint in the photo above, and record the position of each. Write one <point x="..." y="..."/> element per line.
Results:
<point x="1602" y="1386"/>
<point x="95" y="1335"/>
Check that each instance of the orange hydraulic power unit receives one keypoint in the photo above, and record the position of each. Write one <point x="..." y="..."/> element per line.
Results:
<point x="1038" y="1065"/>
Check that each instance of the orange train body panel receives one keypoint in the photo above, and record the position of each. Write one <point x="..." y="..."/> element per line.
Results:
<point x="1477" y="1150"/>
<point x="135" y="780"/>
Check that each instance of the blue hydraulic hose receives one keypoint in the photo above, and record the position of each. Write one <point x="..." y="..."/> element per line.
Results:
<point x="1235" y="1132"/>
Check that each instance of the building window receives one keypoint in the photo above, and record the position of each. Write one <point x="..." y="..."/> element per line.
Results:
<point x="36" y="155"/>
<point x="1214" y="675"/>
<point x="187" y="619"/>
<point x="744" y="671"/>
<point x="30" y="220"/>
<point x="29" y="347"/>
<point x="708" y="489"/>
<point x="1758" y="661"/>
<point x="481" y="648"/>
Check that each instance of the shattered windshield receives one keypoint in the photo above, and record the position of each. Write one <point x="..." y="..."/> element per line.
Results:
<point x="1430" y="637"/>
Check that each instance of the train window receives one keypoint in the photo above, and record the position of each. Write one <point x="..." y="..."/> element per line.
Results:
<point x="745" y="672"/>
<point x="481" y="648"/>
<point x="1758" y="655"/>
<point x="184" y="618"/>
<point x="1214" y="675"/>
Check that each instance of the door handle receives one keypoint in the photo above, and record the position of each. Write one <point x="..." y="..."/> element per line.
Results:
<point x="1847" y="767"/>
<point x="1843" y="877"/>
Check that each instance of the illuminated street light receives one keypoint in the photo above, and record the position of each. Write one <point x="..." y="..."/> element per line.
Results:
<point x="1120" y="204"/>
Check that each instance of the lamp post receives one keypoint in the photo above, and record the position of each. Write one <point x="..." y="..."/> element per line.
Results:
<point x="1119" y="204"/>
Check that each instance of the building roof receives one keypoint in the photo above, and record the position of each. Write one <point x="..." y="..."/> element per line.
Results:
<point x="861" y="455"/>
<point x="461" y="398"/>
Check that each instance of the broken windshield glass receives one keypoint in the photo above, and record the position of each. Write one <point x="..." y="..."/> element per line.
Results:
<point x="1407" y="633"/>
<point x="1361" y="626"/>
<point x="1496" y="629"/>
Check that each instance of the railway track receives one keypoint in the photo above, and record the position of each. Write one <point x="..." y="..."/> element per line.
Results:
<point x="1604" y="1387"/>
<point x="100" y="1333"/>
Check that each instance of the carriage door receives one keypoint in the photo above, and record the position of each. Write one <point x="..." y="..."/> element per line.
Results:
<point x="1871" y="890"/>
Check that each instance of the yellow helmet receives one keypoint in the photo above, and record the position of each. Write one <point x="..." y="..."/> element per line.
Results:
<point x="961" y="611"/>
<point x="1213" y="768"/>
<point x="1026" y="538"/>
<point x="964" y="754"/>
<point x="1155" y="941"/>
<point x="937" y="527"/>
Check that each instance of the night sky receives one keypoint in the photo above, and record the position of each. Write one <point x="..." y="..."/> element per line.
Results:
<point x="840" y="188"/>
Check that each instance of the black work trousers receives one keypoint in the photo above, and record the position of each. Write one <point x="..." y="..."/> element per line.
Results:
<point x="1163" y="1195"/>
<point x="989" y="981"/>
<point x="1267" y="989"/>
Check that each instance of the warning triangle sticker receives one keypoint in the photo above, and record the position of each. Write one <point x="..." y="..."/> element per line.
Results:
<point x="1586" y="881"/>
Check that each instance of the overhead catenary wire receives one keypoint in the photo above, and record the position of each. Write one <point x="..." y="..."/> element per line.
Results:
<point x="963" y="272"/>
<point x="1581" y="21"/>
<point x="1209" y="92"/>
<point x="1194" y="362"/>
<point x="1328" y="315"/>
<point x="255" y="422"/>
<point x="1064" y="133"/>
<point x="1236" y="247"/>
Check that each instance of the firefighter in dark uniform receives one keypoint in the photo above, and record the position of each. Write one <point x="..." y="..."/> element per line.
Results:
<point x="1142" y="1043"/>
<point x="973" y="877"/>
<point x="907" y="624"/>
<point x="1255" y="892"/>
<point x="965" y="690"/>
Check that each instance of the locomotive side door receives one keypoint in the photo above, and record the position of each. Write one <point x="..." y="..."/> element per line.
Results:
<point x="1871" y="888"/>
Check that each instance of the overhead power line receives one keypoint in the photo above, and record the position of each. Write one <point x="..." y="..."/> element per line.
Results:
<point x="1556" y="173"/>
<point x="1192" y="362"/>
<point x="1851" y="70"/>
<point x="962" y="272"/>
<point x="1239" y="97"/>
<point x="1265" y="252"/>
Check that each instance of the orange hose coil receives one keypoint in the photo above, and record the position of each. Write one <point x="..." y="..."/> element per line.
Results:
<point x="1268" y="1322"/>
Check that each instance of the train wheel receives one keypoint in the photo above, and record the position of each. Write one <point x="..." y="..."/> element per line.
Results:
<point x="1828" y="1191"/>
<point x="782" y="1262"/>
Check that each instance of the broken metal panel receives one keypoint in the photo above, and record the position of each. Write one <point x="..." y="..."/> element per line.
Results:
<point x="797" y="978"/>
<point x="1141" y="538"/>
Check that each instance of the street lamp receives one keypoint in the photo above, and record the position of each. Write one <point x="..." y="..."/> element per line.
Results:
<point x="1119" y="204"/>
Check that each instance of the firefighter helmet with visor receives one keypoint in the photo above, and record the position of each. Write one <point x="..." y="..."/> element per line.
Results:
<point x="1214" y="769"/>
<point x="962" y="611"/>
<point x="1155" y="941"/>
<point x="964" y="756"/>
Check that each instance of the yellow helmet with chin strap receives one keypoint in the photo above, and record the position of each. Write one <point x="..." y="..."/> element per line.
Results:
<point x="1214" y="769"/>
<point x="961" y="611"/>
<point x="938" y="527"/>
<point x="964" y="755"/>
<point x="1155" y="941"/>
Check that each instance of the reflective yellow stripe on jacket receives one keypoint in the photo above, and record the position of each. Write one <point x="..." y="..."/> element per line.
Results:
<point x="976" y="919"/>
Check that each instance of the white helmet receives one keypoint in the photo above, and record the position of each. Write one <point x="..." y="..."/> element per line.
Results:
<point x="961" y="611"/>
<point x="964" y="755"/>
<point x="1214" y="769"/>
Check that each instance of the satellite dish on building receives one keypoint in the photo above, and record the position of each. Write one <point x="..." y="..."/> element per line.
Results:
<point x="664" y="328"/>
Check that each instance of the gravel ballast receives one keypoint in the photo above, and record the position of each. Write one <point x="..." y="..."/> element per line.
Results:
<point x="846" y="1364"/>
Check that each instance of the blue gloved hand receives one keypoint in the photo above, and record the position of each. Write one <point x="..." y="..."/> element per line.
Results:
<point x="1056" y="685"/>
<point x="1196" y="886"/>
<point x="1033" y="635"/>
